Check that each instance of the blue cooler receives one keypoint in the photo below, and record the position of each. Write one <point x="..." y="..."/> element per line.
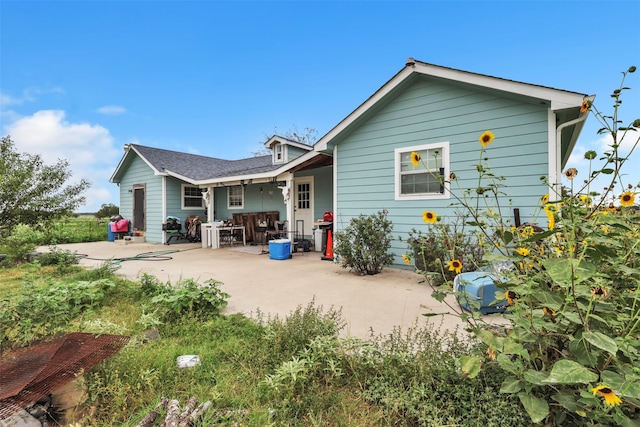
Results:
<point x="280" y="249"/>
<point x="478" y="287"/>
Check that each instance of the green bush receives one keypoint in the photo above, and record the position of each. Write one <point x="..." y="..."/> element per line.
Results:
<point x="188" y="297"/>
<point x="22" y="241"/>
<point x="435" y="250"/>
<point x="364" y="245"/>
<point x="59" y="257"/>
<point x="35" y="312"/>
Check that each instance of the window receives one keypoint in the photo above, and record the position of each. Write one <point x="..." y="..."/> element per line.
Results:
<point x="235" y="197"/>
<point x="422" y="181"/>
<point x="191" y="197"/>
<point x="278" y="153"/>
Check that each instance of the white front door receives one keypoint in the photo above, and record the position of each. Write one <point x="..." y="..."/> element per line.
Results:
<point x="303" y="207"/>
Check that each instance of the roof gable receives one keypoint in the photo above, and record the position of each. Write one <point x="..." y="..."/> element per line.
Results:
<point x="557" y="99"/>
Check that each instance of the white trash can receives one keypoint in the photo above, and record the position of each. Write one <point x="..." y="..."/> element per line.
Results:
<point x="317" y="239"/>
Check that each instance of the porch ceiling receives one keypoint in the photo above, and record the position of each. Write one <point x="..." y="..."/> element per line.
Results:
<point x="318" y="161"/>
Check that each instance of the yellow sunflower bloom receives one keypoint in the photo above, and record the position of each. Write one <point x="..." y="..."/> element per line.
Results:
<point x="584" y="107"/>
<point x="585" y="200"/>
<point x="523" y="251"/>
<point x="627" y="198"/>
<point x="406" y="259"/>
<point x="545" y="199"/>
<point x="486" y="138"/>
<point x="455" y="265"/>
<point x="610" y="398"/>
<point x="429" y="217"/>
<point x="415" y="158"/>
<point x="551" y="219"/>
<point x="511" y="297"/>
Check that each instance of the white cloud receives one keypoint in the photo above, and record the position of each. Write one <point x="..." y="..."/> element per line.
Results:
<point x="29" y="94"/>
<point x="88" y="148"/>
<point x="111" y="110"/>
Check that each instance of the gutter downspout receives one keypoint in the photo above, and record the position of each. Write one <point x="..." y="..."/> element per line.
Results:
<point x="558" y="172"/>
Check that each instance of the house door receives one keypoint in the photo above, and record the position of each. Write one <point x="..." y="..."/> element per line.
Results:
<point x="138" y="209"/>
<point x="303" y="206"/>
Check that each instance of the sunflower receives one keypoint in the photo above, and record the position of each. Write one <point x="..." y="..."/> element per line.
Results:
<point x="486" y="138"/>
<point x="429" y="217"/>
<point x="551" y="219"/>
<point x="571" y="173"/>
<point x="406" y="259"/>
<point x="491" y="353"/>
<point x="511" y="297"/>
<point x="599" y="292"/>
<point x="584" y="107"/>
<point x="545" y="199"/>
<point x="523" y="251"/>
<point x="415" y="158"/>
<point x="455" y="265"/>
<point x="610" y="398"/>
<point x="548" y="311"/>
<point x="585" y="200"/>
<point x="627" y="198"/>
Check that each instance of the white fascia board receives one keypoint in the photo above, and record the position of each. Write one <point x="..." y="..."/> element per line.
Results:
<point x="321" y="145"/>
<point x="124" y="158"/>
<point x="287" y="141"/>
<point x="560" y="99"/>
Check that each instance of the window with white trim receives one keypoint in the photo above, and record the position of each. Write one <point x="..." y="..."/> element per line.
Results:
<point x="235" y="197"/>
<point x="278" y="153"/>
<point x="425" y="180"/>
<point x="191" y="197"/>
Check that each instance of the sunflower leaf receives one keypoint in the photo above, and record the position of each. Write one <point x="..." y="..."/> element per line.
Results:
<point x="510" y="385"/>
<point x="601" y="341"/>
<point x="470" y="365"/>
<point x="570" y="372"/>
<point x="537" y="408"/>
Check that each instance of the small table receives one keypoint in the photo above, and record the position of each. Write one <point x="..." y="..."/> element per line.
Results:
<point x="231" y="230"/>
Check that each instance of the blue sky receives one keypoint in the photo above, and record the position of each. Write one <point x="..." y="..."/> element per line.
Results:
<point x="79" y="79"/>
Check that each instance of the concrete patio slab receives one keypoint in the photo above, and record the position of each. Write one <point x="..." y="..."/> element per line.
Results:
<point x="375" y="303"/>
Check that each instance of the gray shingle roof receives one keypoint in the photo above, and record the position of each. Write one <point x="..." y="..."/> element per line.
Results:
<point x="196" y="167"/>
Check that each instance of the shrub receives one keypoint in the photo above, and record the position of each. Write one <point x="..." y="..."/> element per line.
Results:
<point x="434" y="250"/>
<point x="59" y="257"/>
<point x="188" y="297"/>
<point x="36" y="312"/>
<point x="364" y="245"/>
<point x="22" y="241"/>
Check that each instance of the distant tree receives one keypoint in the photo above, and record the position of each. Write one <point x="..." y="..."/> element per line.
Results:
<point x="34" y="193"/>
<point x="107" y="211"/>
<point x="308" y="136"/>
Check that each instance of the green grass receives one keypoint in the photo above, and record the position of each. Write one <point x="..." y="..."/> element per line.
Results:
<point x="292" y="371"/>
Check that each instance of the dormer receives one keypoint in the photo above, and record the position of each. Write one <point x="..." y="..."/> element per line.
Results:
<point x="284" y="150"/>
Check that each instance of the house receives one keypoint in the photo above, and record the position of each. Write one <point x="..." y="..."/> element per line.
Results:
<point x="431" y="109"/>
<point x="156" y="183"/>
<point x="363" y="166"/>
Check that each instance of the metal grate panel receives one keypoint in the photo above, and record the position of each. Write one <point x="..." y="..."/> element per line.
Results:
<point x="30" y="373"/>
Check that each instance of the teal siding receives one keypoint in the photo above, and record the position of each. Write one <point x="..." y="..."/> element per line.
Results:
<point x="257" y="198"/>
<point x="295" y="152"/>
<point x="430" y="111"/>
